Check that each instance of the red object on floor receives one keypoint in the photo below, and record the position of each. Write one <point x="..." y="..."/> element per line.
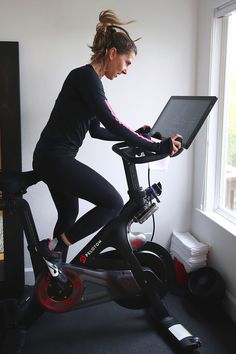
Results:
<point x="180" y="273"/>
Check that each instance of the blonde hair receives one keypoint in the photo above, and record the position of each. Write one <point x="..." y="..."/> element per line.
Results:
<point x="109" y="34"/>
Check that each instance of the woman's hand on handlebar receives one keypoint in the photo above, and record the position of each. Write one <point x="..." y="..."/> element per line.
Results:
<point x="144" y="130"/>
<point x="176" y="143"/>
<point x="171" y="145"/>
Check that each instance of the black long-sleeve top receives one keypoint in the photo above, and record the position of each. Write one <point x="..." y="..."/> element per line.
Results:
<point x="81" y="107"/>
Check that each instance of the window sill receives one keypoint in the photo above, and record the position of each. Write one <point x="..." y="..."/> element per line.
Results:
<point x="220" y="220"/>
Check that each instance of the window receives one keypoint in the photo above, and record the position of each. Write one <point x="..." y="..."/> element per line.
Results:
<point x="227" y="180"/>
<point x="221" y="180"/>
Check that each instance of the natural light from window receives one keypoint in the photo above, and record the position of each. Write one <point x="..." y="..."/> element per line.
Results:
<point x="228" y="179"/>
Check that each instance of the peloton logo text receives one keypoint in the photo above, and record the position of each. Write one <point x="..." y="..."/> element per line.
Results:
<point x="83" y="258"/>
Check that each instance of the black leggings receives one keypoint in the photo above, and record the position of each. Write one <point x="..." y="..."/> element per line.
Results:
<point x="68" y="180"/>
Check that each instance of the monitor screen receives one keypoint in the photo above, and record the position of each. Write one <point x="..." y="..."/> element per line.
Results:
<point x="183" y="115"/>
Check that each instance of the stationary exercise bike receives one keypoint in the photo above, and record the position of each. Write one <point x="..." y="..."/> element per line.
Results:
<point x="133" y="278"/>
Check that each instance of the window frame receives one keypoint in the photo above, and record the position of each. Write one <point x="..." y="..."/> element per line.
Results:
<point x="214" y="187"/>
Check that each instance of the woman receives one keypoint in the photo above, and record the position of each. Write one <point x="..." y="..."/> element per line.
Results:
<point x="80" y="108"/>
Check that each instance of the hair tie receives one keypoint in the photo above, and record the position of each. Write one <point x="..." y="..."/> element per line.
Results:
<point x="111" y="29"/>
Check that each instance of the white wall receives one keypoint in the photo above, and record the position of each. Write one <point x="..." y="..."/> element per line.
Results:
<point x="53" y="37"/>
<point x="222" y="242"/>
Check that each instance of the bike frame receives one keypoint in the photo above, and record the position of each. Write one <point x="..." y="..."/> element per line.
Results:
<point x="91" y="265"/>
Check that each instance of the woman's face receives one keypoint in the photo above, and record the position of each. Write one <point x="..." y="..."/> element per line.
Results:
<point x="117" y="64"/>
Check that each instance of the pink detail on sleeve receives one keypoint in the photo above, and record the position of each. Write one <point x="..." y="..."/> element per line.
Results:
<point x="113" y="113"/>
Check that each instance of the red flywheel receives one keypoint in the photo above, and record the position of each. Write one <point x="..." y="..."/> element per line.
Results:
<point x="57" y="298"/>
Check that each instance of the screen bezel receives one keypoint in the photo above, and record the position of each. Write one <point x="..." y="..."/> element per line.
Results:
<point x="188" y="141"/>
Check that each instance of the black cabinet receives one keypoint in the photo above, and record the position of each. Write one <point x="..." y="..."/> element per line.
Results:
<point x="11" y="234"/>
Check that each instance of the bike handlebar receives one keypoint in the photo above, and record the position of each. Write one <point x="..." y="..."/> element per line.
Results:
<point x="136" y="154"/>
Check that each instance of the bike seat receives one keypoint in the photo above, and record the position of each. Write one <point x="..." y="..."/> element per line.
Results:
<point x="16" y="183"/>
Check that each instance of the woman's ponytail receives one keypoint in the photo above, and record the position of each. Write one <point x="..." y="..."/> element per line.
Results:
<point x="109" y="33"/>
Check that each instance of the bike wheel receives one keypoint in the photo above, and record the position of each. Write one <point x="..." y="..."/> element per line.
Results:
<point x="159" y="269"/>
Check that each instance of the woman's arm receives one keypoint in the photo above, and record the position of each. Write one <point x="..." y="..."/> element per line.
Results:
<point x="91" y="90"/>
<point x="98" y="132"/>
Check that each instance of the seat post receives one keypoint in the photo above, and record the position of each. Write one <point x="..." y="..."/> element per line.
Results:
<point x="131" y="177"/>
